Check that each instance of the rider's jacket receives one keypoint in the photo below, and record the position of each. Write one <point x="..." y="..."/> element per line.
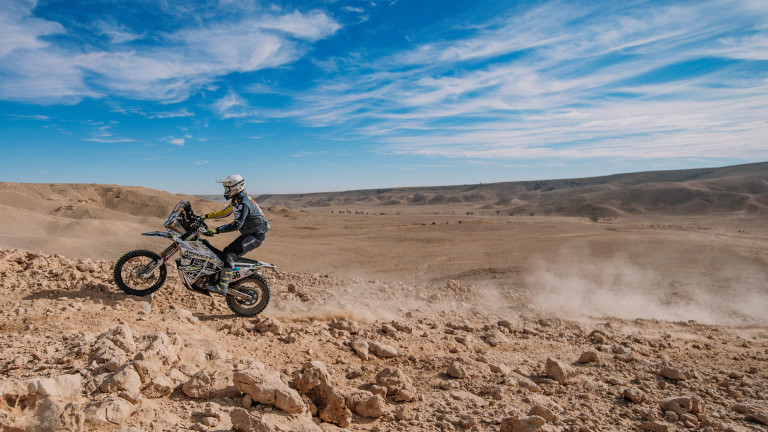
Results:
<point x="249" y="218"/>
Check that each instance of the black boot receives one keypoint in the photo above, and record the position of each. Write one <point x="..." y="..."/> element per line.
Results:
<point x="221" y="287"/>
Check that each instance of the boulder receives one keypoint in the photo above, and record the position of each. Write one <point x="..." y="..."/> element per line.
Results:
<point x="124" y="378"/>
<point x="525" y="424"/>
<point x="265" y="386"/>
<point x="360" y="346"/>
<point x="366" y="404"/>
<point x="159" y="386"/>
<point x="543" y="412"/>
<point x="160" y="349"/>
<point x="398" y="385"/>
<point x="588" y="357"/>
<point x="456" y="370"/>
<point x="500" y="369"/>
<point x="104" y="350"/>
<point x="270" y="325"/>
<point x="528" y="384"/>
<point x="211" y="384"/>
<point x="559" y="371"/>
<point x="43" y="404"/>
<point x="682" y="404"/>
<point x="314" y="381"/>
<point x="242" y="421"/>
<point x="674" y="374"/>
<point x="122" y="337"/>
<point x="112" y="410"/>
<point x="634" y="394"/>
<point x="382" y="350"/>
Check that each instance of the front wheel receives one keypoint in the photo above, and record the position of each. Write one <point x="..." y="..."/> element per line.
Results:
<point x="130" y="273"/>
<point x="254" y="286"/>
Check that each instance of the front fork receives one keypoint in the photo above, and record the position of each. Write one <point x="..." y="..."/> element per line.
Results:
<point x="165" y="256"/>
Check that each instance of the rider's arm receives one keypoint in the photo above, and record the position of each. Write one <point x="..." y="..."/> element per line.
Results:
<point x="241" y="212"/>
<point x="219" y="214"/>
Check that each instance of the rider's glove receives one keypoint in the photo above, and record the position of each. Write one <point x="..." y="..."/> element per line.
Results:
<point x="210" y="232"/>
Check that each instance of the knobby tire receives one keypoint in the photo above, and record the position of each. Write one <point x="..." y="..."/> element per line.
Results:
<point x="238" y="307"/>
<point x="135" y="254"/>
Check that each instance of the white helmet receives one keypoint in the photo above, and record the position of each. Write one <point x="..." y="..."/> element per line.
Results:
<point x="233" y="185"/>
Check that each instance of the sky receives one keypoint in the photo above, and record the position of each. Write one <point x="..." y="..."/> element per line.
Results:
<point x="313" y="96"/>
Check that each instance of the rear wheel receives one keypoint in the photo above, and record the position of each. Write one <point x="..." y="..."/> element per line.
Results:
<point x="130" y="276"/>
<point x="254" y="286"/>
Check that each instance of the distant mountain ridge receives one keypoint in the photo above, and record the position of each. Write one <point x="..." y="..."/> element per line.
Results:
<point x="737" y="188"/>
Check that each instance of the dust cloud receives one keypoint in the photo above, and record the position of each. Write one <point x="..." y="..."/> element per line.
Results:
<point x="576" y="283"/>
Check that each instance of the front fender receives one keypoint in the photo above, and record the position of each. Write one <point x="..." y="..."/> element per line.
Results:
<point x="162" y="234"/>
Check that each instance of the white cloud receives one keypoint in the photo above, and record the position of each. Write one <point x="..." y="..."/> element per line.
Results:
<point x="183" y="61"/>
<point x="183" y="112"/>
<point x="559" y="89"/>
<point x="177" y="141"/>
<point x="117" y="33"/>
<point x="109" y="140"/>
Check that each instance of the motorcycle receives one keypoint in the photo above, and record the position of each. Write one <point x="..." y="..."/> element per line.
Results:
<point x="141" y="272"/>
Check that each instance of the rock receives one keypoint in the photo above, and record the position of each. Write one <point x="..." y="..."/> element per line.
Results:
<point x="115" y="362"/>
<point x="598" y="337"/>
<point x="543" y="412"/>
<point x="528" y="384"/>
<point x="205" y="385"/>
<point x="271" y="325"/>
<point x="314" y="381"/>
<point x="674" y="374"/>
<point x="588" y="357"/>
<point x="398" y="385"/>
<point x="242" y="421"/>
<point x="382" y="350"/>
<point x="681" y="404"/>
<point x="366" y="404"/>
<point x="758" y="416"/>
<point x="112" y="410"/>
<point x="494" y="337"/>
<point x="495" y="392"/>
<point x="160" y="349"/>
<point x="185" y="315"/>
<point x="360" y="346"/>
<point x="500" y="369"/>
<point x="559" y="371"/>
<point x="192" y="356"/>
<point x="62" y="386"/>
<point x="124" y="378"/>
<point x="43" y="404"/>
<point x="654" y="426"/>
<point x="506" y="324"/>
<point x="104" y="350"/>
<point x="265" y="386"/>
<point x="159" y="386"/>
<point x="456" y="370"/>
<point x="122" y="337"/>
<point x="751" y="412"/>
<point x="525" y="424"/>
<point x="634" y="394"/>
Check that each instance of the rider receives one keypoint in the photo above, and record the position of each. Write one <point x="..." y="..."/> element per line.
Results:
<point x="249" y="219"/>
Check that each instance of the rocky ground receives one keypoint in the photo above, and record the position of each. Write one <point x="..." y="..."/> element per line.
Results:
<point x="333" y="353"/>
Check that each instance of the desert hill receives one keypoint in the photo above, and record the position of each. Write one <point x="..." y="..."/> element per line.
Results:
<point x="739" y="188"/>
<point x="421" y="310"/>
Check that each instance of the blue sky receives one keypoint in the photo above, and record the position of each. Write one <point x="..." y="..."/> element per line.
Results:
<point x="329" y="95"/>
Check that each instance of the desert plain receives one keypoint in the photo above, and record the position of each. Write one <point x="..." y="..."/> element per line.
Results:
<point x="623" y="303"/>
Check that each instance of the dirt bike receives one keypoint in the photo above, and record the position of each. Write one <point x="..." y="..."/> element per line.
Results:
<point x="142" y="272"/>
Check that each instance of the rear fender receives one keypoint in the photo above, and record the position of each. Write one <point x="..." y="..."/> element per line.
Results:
<point x="243" y="269"/>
